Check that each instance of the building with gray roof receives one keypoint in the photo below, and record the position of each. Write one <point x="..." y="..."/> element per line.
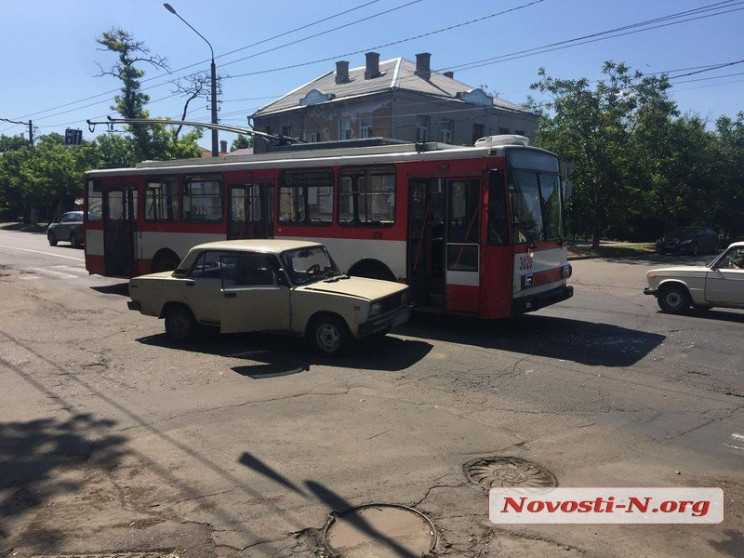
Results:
<point x="396" y="99"/>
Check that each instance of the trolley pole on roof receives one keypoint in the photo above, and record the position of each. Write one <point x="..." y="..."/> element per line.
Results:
<point x="213" y="70"/>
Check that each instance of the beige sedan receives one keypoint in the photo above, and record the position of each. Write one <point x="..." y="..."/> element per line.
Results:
<point x="718" y="283"/>
<point x="273" y="285"/>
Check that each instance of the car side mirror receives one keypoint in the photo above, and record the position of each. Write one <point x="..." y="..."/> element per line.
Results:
<point x="281" y="279"/>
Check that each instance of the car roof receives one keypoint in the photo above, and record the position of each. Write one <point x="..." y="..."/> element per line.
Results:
<point x="273" y="245"/>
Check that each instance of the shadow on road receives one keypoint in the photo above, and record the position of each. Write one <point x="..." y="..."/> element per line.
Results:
<point x="34" y="454"/>
<point x="121" y="289"/>
<point x="278" y="355"/>
<point x="587" y="343"/>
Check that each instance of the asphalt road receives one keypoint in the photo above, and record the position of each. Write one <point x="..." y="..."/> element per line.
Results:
<point x="114" y="440"/>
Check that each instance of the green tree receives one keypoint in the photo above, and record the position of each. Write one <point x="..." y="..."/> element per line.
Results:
<point x="131" y="102"/>
<point x="241" y="142"/>
<point x="727" y="194"/>
<point x="588" y="128"/>
<point x="152" y="141"/>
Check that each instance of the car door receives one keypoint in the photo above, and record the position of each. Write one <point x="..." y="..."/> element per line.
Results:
<point x="202" y="287"/>
<point x="63" y="227"/>
<point x="255" y="294"/>
<point x="724" y="284"/>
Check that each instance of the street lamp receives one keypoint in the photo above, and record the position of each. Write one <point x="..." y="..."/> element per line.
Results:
<point x="213" y="68"/>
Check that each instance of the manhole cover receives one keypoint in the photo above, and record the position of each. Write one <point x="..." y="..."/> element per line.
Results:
<point x="379" y="530"/>
<point x="493" y="472"/>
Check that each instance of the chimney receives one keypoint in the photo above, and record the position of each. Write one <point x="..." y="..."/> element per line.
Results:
<point x="223" y="146"/>
<point x="450" y="75"/>
<point x="373" y="65"/>
<point x="423" y="69"/>
<point x="342" y="71"/>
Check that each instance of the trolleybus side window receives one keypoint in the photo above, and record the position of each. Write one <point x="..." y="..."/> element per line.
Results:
<point x="202" y="199"/>
<point x="161" y="199"/>
<point x="366" y="197"/>
<point x="306" y="197"/>
<point x="95" y="201"/>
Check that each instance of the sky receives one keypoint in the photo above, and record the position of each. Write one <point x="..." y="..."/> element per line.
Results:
<point x="51" y="63"/>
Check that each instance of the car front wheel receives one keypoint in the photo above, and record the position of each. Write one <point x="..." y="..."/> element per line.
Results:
<point x="674" y="300"/>
<point x="329" y="335"/>
<point x="180" y="324"/>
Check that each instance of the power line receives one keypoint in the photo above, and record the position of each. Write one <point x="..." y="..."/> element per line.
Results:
<point x="633" y="28"/>
<point x="113" y="91"/>
<point x="393" y="43"/>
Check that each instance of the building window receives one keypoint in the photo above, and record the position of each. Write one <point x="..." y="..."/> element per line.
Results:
<point x="520" y="132"/>
<point x="287" y="131"/>
<point x="161" y="199"/>
<point x="479" y="131"/>
<point x="344" y="128"/>
<point x="306" y="197"/>
<point x="202" y="200"/>
<point x="422" y="128"/>
<point x="503" y="131"/>
<point x="365" y="127"/>
<point x="445" y="131"/>
<point x="366" y="197"/>
<point x="313" y="137"/>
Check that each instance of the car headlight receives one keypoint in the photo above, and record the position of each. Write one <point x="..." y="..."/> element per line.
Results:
<point x="375" y="308"/>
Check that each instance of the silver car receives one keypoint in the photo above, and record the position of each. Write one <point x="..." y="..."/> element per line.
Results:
<point x="718" y="283"/>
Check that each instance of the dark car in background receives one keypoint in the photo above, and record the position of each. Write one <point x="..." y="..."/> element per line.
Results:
<point x="69" y="228"/>
<point x="689" y="240"/>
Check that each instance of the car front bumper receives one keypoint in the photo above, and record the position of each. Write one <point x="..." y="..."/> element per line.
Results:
<point x="385" y="322"/>
<point x="650" y="291"/>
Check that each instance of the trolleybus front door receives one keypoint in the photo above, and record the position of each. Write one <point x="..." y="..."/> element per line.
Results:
<point x="251" y="210"/>
<point x="443" y="244"/>
<point x="426" y="243"/>
<point x="119" y="231"/>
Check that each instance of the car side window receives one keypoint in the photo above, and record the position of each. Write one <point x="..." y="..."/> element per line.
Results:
<point x="206" y="266"/>
<point x="249" y="270"/>
<point x="733" y="259"/>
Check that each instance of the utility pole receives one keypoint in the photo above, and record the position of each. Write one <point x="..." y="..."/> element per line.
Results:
<point x="213" y="72"/>
<point x="30" y="128"/>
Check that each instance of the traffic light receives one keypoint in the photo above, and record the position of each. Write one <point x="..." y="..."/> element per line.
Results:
<point x="73" y="137"/>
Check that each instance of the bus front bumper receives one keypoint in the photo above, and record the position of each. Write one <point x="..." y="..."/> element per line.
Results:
<point x="541" y="300"/>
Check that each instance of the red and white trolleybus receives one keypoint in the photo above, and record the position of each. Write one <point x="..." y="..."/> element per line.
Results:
<point x="472" y="230"/>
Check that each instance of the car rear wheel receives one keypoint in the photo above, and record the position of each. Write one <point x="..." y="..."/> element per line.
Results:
<point x="329" y="335"/>
<point x="180" y="324"/>
<point x="74" y="240"/>
<point x="51" y="239"/>
<point x="674" y="300"/>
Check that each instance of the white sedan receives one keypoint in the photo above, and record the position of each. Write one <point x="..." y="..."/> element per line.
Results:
<point x="718" y="283"/>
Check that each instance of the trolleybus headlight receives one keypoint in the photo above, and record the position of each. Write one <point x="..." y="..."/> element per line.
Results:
<point x="566" y="271"/>
<point x="528" y="281"/>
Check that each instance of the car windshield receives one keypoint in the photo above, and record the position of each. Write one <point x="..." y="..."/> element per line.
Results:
<point x="305" y="265"/>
